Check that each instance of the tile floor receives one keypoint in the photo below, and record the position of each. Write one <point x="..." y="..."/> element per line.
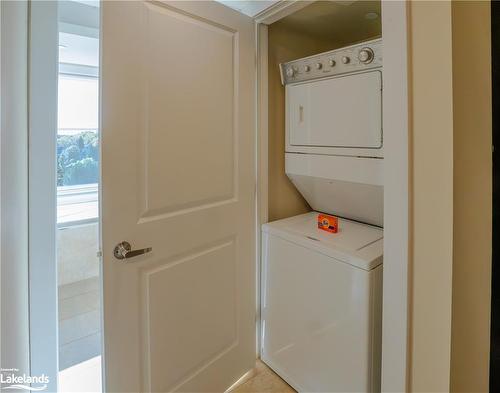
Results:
<point x="84" y="377"/>
<point x="265" y="380"/>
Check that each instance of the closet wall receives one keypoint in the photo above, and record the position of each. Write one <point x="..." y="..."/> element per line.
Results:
<point x="284" y="45"/>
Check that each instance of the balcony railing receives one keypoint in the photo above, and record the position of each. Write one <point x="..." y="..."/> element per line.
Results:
<point x="77" y="205"/>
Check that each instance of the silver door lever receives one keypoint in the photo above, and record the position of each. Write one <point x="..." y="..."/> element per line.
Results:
<point x="124" y="250"/>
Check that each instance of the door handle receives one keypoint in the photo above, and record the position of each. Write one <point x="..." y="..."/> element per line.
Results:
<point x="124" y="250"/>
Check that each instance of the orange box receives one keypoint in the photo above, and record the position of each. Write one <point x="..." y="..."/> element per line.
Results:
<point x="328" y="223"/>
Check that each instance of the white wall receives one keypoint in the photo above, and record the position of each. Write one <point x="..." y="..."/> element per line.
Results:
<point x="14" y="186"/>
<point x="77" y="248"/>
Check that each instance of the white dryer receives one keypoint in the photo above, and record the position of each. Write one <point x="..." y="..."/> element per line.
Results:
<point x="334" y="131"/>
<point x="321" y="304"/>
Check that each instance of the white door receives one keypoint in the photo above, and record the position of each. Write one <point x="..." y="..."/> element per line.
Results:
<point x="178" y="134"/>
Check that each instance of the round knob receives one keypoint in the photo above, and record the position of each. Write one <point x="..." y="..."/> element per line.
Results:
<point x="290" y="72"/>
<point x="332" y="63"/>
<point x="307" y="68"/>
<point x="365" y="55"/>
<point x="345" y="59"/>
<point x="319" y="66"/>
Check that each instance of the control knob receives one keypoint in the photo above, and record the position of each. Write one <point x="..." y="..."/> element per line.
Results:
<point x="307" y="68"/>
<point x="365" y="55"/>
<point x="345" y="59"/>
<point x="332" y="62"/>
<point x="290" y="72"/>
<point x="319" y="66"/>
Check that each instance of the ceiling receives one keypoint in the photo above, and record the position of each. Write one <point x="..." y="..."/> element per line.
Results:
<point x="79" y="34"/>
<point x="250" y="8"/>
<point x="342" y="22"/>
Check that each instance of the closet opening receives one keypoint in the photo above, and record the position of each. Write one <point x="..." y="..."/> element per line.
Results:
<point x="321" y="107"/>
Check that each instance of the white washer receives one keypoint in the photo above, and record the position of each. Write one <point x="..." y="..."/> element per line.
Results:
<point x="322" y="304"/>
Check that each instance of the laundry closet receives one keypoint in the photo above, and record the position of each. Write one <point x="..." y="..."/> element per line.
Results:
<point x="321" y="291"/>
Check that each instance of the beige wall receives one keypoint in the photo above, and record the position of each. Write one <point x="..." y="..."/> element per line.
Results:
<point x="77" y="248"/>
<point x="450" y="95"/>
<point x="472" y="192"/>
<point x="283" y="45"/>
<point x="431" y="123"/>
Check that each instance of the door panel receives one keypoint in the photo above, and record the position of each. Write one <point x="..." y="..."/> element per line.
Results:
<point x="197" y="59"/>
<point x="205" y="321"/>
<point x="178" y="175"/>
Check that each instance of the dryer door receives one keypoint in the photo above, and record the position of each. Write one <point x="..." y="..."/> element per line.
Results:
<point x="345" y="111"/>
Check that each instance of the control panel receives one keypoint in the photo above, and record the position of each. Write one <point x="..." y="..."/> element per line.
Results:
<point x="362" y="56"/>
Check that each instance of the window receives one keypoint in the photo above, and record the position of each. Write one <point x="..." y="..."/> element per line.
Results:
<point x="77" y="148"/>
<point x="77" y="139"/>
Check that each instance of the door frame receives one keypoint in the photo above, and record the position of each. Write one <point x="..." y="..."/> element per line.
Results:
<point x="397" y="268"/>
<point x="14" y="324"/>
<point x="42" y="195"/>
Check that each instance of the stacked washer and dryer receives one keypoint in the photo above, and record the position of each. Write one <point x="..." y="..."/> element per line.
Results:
<point x="322" y="292"/>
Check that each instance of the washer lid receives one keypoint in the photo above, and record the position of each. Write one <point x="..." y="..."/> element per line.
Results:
<point x="358" y="244"/>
